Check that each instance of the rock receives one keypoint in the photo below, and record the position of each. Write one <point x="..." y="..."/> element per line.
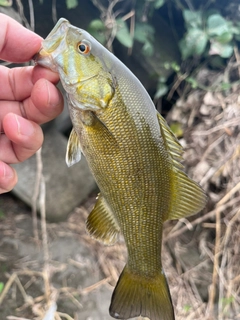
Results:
<point x="65" y="187"/>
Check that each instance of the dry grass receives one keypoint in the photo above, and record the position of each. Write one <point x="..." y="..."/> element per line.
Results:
<point x="211" y="122"/>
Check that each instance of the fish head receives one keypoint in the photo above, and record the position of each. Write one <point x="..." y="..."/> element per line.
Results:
<point x="83" y="64"/>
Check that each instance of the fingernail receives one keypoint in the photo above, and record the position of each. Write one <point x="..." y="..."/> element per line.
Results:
<point x="53" y="95"/>
<point x="7" y="171"/>
<point x="25" y="127"/>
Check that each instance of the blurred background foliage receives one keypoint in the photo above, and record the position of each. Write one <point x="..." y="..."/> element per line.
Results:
<point x="205" y="31"/>
<point x="196" y="33"/>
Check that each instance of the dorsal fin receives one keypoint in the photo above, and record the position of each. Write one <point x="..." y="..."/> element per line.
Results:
<point x="171" y="142"/>
<point x="187" y="196"/>
<point x="102" y="224"/>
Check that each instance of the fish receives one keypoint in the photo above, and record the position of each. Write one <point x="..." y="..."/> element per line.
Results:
<point x="135" y="159"/>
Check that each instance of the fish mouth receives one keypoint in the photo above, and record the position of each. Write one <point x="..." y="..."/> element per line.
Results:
<point x="50" y="46"/>
<point x="44" y="59"/>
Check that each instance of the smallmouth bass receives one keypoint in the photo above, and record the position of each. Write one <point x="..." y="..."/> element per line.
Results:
<point x="135" y="159"/>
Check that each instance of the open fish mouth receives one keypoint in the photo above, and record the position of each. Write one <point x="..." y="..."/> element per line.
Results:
<point x="44" y="59"/>
<point x="51" y="46"/>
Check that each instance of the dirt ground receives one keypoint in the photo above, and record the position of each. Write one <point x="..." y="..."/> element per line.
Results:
<point x="72" y="274"/>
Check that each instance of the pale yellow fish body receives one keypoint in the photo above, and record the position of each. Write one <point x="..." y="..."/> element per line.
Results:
<point x="135" y="159"/>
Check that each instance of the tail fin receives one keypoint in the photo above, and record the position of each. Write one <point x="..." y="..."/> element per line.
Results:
<point x="135" y="295"/>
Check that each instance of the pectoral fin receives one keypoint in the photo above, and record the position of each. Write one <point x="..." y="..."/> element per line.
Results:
<point x="73" y="154"/>
<point x="102" y="224"/>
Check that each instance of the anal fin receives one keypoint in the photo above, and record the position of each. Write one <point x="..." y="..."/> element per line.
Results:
<point x="187" y="198"/>
<point x="102" y="224"/>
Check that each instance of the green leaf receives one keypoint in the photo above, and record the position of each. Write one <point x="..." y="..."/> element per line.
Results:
<point x="193" y="19"/>
<point x="162" y="89"/>
<point x="97" y="24"/>
<point x="162" y="79"/>
<point x="148" y="49"/>
<point x="186" y="51"/>
<point x="177" y="129"/>
<point x="193" y="82"/>
<point x="6" y="3"/>
<point x="144" y="32"/>
<point x="227" y="301"/>
<point x="225" y="37"/>
<point x="224" y="50"/>
<point x="194" y="43"/>
<point x="225" y="86"/>
<point x="175" y="66"/>
<point x="158" y="4"/>
<point x="171" y="65"/>
<point x="123" y="34"/>
<point x="187" y="308"/>
<point x="97" y="29"/>
<point x="217" y="25"/>
<point x="71" y="4"/>
<point x="1" y="287"/>
<point x="235" y="29"/>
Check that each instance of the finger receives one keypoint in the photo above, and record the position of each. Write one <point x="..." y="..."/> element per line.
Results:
<point x="17" y="44"/>
<point x="17" y="83"/>
<point x="40" y="72"/>
<point x="8" y="177"/>
<point x="45" y="103"/>
<point x="21" y="140"/>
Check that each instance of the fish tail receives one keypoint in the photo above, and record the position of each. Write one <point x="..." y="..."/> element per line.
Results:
<point x="136" y="295"/>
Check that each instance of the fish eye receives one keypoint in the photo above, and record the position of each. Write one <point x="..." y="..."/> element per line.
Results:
<point x="84" y="47"/>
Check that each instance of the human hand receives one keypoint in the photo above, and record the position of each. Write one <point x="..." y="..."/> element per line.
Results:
<point x="28" y="97"/>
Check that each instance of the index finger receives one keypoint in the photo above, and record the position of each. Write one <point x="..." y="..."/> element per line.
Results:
<point x="17" y="44"/>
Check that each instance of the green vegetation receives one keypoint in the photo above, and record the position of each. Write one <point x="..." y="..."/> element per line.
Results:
<point x="1" y="287"/>
<point x="208" y="33"/>
<point x="6" y="3"/>
<point x="71" y="4"/>
<point x="1" y="214"/>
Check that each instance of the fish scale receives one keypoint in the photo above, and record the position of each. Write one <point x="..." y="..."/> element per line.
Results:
<point x="135" y="159"/>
